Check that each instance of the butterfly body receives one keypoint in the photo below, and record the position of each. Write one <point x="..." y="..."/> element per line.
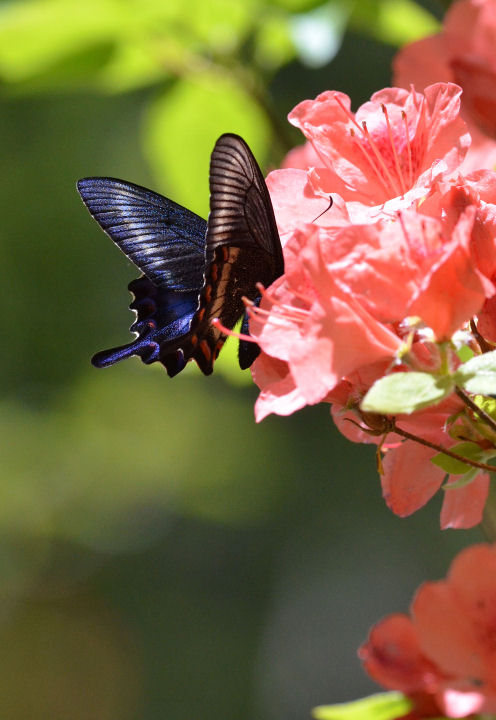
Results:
<point x="193" y="271"/>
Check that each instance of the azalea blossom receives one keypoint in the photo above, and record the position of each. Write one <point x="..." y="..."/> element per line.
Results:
<point x="463" y="53"/>
<point x="385" y="156"/>
<point x="443" y="655"/>
<point x="390" y="256"/>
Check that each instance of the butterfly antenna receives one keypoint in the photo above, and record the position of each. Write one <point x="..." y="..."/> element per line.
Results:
<point x="331" y="203"/>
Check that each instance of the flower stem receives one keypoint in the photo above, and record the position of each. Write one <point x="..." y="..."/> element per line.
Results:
<point x="476" y="409"/>
<point x="484" y="346"/>
<point x="445" y="451"/>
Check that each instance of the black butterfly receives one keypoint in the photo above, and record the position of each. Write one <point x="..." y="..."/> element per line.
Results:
<point x="193" y="271"/>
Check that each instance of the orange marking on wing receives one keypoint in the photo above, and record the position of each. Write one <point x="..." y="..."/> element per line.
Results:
<point x="200" y="314"/>
<point x="208" y="293"/>
<point x="225" y="253"/>
<point x="214" y="272"/>
<point x="205" y="348"/>
<point x="194" y="339"/>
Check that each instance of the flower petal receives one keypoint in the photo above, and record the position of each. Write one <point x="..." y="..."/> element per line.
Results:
<point x="463" y="507"/>
<point x="410" y="479"/>
<point x="392" y="657"/>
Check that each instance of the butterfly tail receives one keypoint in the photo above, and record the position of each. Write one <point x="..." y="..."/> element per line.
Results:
<point x="147" y="350"/>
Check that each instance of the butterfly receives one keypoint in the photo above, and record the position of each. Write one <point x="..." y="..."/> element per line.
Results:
<point x="193" y="271"/>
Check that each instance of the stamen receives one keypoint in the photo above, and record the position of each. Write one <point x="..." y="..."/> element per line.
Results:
<point x="380" y="159"/>
<point x="347" y="112"/>
<point x="393" y="148"/>
<point x="286" y="313"/>
<point x="352" y="118"/>
<point x="231" y="333"/>
<point x="370" y="161"/>
<point x="421" y="123"/>
<point x="278" y="312"/>
<point x="408" y="148"/>
<point x="302" y="296"/>
<point x="323" y="160"/>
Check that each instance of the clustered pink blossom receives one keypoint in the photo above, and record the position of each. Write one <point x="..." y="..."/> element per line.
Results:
<point x="389" y="239"/>
<point x="443" y="656"/>
<point x="387" y="217"/>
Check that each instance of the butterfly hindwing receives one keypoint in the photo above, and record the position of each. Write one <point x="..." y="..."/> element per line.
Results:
<point x="167" y="243"/>
<point x="162" y="316"/>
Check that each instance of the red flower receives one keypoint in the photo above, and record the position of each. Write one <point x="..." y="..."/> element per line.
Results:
<point x="444" y="655"/>
<point x="462" y="53"/>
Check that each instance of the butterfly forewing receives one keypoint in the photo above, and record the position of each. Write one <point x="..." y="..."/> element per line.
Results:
<point x="163" y="239"/>
<point x="242" y="248"/>
<point x="240" y="208"/>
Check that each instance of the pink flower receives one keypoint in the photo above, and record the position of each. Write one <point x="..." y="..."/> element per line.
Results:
<point x="444" y="655"/>
<point x="391" y="149"/>
<point x="301" y="157"/>
<point x="462" y="53"/>
<point x="385" y="278"/>
<point x="409" y="265"/>
<point x="409" y="479"/>
<point x="296" y="205"/>
<point x="346" y="288"/>
<point x="316" y="326"/>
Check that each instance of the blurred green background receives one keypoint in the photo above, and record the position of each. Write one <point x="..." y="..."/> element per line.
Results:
<point x="161" y="555"/>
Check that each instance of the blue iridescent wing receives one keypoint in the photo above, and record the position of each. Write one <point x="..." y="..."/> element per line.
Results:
<point x="167" y="243"/>
<point x="162" y="316"/>
<point x="163" y="239"/>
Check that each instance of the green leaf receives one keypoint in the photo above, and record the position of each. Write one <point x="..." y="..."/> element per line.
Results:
<point x="465" y="353"/>
<point x="478" y="375"/>
<point x="469" y="450"/>
<point x="183" y="124"/>
<point x="221" y="24"/>
<point x="463" y="480"/>
<point x="299" y="6"/>
<point x="147" y="39"/>
<point x="487" y="404"/>
<point x="383" y="706"/>
<point x="274" y="45"/>
<point x="34" y="36"/>
<point x="394" y="21"/>
<point x="406" y="392"/>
